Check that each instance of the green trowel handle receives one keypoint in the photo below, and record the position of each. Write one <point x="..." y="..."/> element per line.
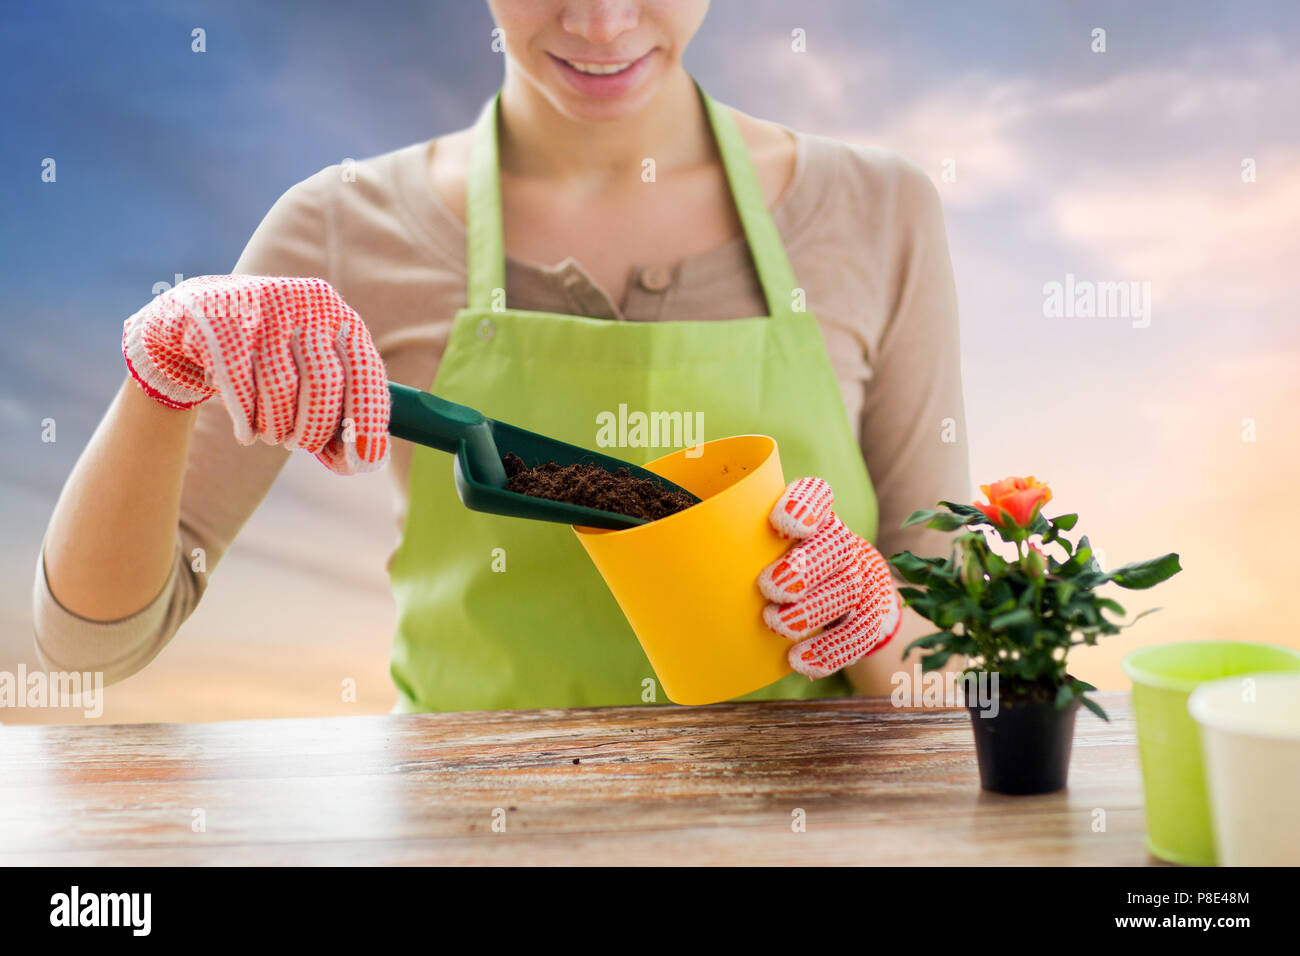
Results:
<point x="429" y="420"/>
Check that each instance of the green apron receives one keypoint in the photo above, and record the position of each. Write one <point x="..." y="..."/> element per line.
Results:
<point x="503" y="613"/>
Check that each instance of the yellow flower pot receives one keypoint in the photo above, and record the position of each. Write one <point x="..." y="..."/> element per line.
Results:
<point x="688" y="583"/>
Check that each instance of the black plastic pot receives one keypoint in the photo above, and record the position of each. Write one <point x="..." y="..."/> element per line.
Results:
<point x="1025" y="747"/>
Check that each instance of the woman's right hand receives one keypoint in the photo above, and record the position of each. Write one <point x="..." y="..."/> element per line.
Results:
<point x="292" y="363"/>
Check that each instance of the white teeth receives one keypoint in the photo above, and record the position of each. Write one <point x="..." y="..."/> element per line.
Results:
<point x="599" y="69"/>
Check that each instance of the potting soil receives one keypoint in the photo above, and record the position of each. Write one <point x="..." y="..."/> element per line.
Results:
<point x="619" y="492"/>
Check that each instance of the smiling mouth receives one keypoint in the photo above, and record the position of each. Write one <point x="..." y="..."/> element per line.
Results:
<point x="599" y="69"/>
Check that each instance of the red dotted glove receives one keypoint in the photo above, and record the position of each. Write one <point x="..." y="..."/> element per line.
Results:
<point x="832" y="592"/>
<point x="292" y="362"/>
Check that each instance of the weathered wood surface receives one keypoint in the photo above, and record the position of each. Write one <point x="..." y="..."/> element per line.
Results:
<point x="653" y="785"/>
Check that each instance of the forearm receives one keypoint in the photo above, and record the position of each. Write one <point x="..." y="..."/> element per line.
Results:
<point x="111" y="542"/>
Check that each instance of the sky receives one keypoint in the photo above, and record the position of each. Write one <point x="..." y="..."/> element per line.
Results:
<point x="1053" y="160"/>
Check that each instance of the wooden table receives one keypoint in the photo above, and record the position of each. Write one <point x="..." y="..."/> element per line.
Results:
<point x="623" y="785"/>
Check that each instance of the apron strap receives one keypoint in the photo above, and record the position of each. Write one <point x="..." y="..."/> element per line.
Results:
<point x="765" y="245"/>
<point x="485" y="245"/>
<point x="485" y="252"/>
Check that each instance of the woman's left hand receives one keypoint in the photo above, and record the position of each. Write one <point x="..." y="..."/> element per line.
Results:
<point x="831" y="592"/>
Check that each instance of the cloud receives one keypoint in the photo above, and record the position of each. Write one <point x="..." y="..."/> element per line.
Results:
<point x="974" y="124"/>
<point x="1019" y="135"/>
<point x="1131" y="174"/>
<point x="1197" y="230"/>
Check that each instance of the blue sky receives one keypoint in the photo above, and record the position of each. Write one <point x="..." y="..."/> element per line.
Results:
<point x="1123" y="166"/>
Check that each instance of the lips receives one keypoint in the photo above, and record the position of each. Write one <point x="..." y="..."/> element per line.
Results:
<point x="605" y="79"/>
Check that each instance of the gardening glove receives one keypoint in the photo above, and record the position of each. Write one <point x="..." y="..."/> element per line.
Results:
<point x="294" y="365"/>
<point x="831" y="592"/>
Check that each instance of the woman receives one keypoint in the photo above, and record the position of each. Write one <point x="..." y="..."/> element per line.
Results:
<point x="605" y="235"/>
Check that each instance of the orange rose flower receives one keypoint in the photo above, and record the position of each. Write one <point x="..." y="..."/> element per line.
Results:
<point x="1014" y="503"/>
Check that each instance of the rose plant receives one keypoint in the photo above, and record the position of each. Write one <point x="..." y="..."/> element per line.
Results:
<point x="1016" y="618"/>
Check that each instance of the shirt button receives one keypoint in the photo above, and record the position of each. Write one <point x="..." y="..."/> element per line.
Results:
<point x="655" y="279"/>
<point x="486" y="329"/>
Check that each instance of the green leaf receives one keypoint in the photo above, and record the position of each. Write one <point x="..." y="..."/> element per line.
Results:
<point x="1039" y="525"/>
<point x="1031" y="667"/>
<point x="1081" y="562"/>
<point x="951" y="613"/>
<point x="1019" y="616"/>
<point x="1064" y="694"/>
<point x="943" y="522"/>
<point x="913" y="569"/>
<point x="1064" y="522"/>
<point x="1087" y="580"/>
<point x="966" y="511"/>
<point x="1093" y="706"/>
<point x="964" y="644"/>
<point x="933" y="662"/>
<point x="1111" y="605"/>
<point x="1144" y="574"/>
<point x="928" y="641"/>
<point x="916" y="517"/>
<point x="996" y="564"/>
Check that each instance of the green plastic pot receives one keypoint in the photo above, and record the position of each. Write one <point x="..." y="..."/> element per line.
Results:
<point x="1179" y="828"/>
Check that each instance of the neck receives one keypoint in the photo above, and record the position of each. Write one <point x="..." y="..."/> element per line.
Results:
<point x="537" y="140"/>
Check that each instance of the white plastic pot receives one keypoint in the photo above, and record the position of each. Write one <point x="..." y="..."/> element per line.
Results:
<point x="1250" y="736"/>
